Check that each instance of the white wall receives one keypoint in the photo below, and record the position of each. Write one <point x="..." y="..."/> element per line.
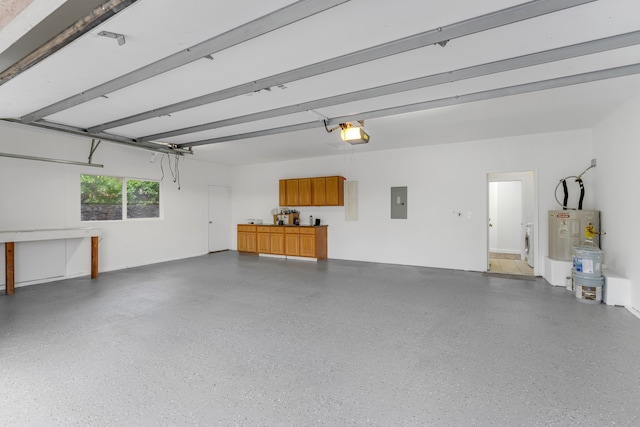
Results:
<point x="506" y="234"/>
<point x="39" y="195"/>
<point x="441" y="179"/>
<point x="617" y="150"/>
<point x="528" y="190"/>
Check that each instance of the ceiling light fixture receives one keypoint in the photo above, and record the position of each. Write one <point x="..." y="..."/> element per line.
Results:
<point x="354" y="134"/>
<point x="351" y="133"/>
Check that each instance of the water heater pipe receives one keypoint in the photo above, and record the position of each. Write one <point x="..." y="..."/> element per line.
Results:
<point x="578" y="178"/>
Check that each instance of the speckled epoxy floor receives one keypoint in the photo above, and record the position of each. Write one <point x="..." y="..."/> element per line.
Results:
<point x="227" y="339"/>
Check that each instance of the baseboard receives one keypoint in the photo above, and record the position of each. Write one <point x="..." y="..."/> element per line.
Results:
<point x="298" y="258"/>
<point x="634" y="311"/>
<point x="35" y="282"/>
<point x="302" y="258"/>
<point x="272" y="256"/>
<point x="506" y="251"/>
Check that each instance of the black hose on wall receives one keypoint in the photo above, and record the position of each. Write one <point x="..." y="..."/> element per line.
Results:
<point x="579" y="181"/>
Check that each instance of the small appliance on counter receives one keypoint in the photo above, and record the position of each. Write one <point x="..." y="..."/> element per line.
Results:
<point x="286" y="216"/>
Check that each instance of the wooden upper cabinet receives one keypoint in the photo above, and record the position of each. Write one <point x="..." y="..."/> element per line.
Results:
<point x="319" y="191"/>
<point x="283" y="192"/>
<point x="334" y="191"/>
<point x="304" y="191"/>
<point x="292" y="192"/>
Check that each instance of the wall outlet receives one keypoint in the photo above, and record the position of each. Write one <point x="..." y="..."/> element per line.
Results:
<point x="469" y="214"/>
<point x="593" y="163"/>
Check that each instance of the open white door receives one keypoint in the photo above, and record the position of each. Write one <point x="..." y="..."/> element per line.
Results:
<point x="512" y="202"/>
<point x="218" y="218"/>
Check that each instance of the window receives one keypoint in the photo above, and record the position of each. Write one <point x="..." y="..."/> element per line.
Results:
<point x="143" y="199"/>
<point x="102" y="198"/>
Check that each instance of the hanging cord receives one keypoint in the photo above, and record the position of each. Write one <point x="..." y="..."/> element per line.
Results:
<point x="175" y="172"/>
<point x="566" y="194"/>
<point x="162" y="168"/>
<point x="177" y="176"/>
<point x="563" y="182"/>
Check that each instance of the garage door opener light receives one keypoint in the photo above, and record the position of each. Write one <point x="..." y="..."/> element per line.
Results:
<point x="351" y="133"/>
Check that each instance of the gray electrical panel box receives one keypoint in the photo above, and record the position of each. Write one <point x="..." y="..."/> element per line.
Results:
<point x="398" y="202"/>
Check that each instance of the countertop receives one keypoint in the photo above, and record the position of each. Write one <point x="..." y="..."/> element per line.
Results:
<point x="287" y="225"/>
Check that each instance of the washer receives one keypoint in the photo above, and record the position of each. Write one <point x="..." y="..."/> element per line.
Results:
<point x="528" y="244"/>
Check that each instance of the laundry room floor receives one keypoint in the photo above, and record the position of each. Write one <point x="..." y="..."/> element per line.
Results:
<point x="509" y="263"/>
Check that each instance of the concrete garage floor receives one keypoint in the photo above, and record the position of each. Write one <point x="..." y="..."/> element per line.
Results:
<point x="228" y="339"/>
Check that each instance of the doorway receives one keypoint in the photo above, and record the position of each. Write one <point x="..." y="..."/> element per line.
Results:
<point x="218" y="219"/>
<point x="511" y="215"/>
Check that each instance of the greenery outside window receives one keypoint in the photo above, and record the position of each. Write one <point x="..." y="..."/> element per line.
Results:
<point x="107" y="198"/>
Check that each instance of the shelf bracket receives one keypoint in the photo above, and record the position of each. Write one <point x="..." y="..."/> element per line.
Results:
<point x="94" y="147"/>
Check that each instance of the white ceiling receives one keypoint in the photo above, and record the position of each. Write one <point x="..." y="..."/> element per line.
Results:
<point x="157" y="29"/>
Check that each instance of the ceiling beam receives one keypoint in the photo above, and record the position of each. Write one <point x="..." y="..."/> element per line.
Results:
<point x="566" y="52"/>
<point x="50" y="160"/>
<point x="559" y="82"/>
<point x="467" y="27"/>
<point x="43" y="124"/>
<point x="260" y="26"/>
<point x="82" y="26"/>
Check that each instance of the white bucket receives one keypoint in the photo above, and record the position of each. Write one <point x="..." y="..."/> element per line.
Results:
<point x="587" y="260"/>
<point x="569" y="283"/>
<point x="587" y="289"/>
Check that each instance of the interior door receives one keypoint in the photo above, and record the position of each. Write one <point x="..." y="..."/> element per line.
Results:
<point x="507" y="230"/>
<point x="518" y="207"/>
<point x="218" y="218"/>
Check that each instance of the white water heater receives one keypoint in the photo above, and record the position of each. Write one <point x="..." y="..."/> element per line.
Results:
<point x="568" y="228"/>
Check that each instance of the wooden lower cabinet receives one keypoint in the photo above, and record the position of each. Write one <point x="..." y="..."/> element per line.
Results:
<point x="300" y="241"/>
<point x="292" y="241"/>
<point x="276" y="241"/>
<point x="247" y="238"/>
<point x="270" y="239"/>
<point x="313" y="242"/>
